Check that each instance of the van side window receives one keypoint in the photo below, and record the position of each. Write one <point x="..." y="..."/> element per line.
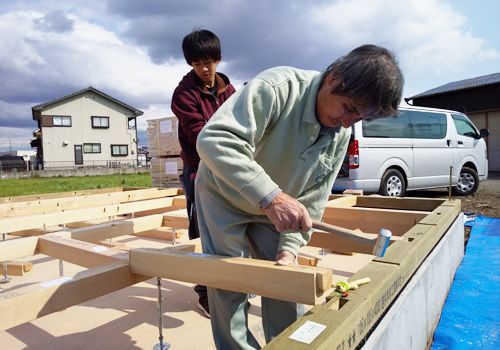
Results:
<point x="428" y="125"/>
<point x="394" y="127"/>
<point x="464" y="126"/>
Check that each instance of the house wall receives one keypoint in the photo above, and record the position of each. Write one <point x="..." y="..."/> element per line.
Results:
<point x="491" y="121"/>
<point x="58" y="142"/>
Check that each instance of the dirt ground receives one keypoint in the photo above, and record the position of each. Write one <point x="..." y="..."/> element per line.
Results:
<point x="486" y="201"/>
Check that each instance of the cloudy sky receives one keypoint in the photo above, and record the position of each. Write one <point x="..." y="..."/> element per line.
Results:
<point x="130" y="49"/>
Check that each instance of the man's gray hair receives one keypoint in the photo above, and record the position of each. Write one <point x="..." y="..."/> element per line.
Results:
<point x="369" y="75"/>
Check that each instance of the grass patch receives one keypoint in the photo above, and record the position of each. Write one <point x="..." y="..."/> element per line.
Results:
<point x="38" y="185"/>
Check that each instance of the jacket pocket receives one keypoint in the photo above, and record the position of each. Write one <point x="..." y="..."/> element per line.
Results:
<point x="321" y="170"/>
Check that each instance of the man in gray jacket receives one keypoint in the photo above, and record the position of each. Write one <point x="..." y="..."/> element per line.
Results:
<point x="269" y="157"/>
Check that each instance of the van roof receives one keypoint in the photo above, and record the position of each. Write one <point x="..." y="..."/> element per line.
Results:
<point x="428" y="109"/>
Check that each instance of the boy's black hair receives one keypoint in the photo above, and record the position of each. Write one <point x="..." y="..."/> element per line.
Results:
<point x="201" y="44"/>
<point x="371" y="76"/>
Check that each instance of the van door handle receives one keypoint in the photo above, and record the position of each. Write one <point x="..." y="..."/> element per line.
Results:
<point x="448" y="142"/>
<point x="460" y="142"/>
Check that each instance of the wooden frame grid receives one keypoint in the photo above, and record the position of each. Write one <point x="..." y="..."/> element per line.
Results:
<point x="417" y="226"/>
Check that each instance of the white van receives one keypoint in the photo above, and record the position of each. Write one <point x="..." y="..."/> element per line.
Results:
<point x="413" y="151"/>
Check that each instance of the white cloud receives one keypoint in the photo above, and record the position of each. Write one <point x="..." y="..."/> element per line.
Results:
<point x="15" y="138"/>
<point x="428" y="35"/>
<point x="51" y="47"/>
<point x="87" y="55"/>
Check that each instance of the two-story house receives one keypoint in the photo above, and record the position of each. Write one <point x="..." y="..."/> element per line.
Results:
<point x="85" y="128"/>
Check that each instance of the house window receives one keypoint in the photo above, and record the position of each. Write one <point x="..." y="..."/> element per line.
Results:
<point x="119" y="150"/>
<point x="91" y="148"/>
<point x="131" y="123"/>
<point x="60" y="120"/>
<point x="100" y="122"/>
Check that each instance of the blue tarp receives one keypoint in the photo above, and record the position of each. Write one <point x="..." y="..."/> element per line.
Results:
<point x="470" y="318"/>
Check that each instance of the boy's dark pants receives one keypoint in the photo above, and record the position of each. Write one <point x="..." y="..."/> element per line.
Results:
<point x="187" y="181"/>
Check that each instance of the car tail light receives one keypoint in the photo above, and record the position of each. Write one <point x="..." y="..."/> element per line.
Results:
<point x="353" y="152"/>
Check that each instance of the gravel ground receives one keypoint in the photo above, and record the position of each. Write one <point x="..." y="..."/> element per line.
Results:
<point x="486" y="201"/>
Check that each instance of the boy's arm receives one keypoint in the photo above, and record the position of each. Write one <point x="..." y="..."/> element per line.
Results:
<point x="187" y="109"/>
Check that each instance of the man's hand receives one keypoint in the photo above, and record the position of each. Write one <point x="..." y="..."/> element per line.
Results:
<point x="285" y="257"/>
<point x="288" y="214"/>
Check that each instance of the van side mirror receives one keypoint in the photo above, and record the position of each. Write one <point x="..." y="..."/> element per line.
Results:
<point x="483" y="133"/>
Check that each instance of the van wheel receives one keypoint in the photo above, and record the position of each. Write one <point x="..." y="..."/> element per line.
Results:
<point x="393" y="184"/>
<point x="468" y="182"/>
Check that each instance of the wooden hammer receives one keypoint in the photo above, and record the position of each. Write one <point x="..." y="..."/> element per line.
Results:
<point x="379" y="244"/>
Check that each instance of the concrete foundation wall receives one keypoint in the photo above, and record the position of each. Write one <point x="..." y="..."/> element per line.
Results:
<point x="412" y="319"/>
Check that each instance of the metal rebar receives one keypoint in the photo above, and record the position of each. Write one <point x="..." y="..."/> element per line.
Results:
<point x="5" y="278"/>
<point x="161" y="345"/>
<point x="61" y="268"/>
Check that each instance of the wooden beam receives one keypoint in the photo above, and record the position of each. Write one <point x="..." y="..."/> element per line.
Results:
<point x="78" y="202"/>
<point x="353" y="235"/>
<point x="161" y="210"/>
<point x="13" y="249"/>
<point x="176" y="218"/>
<point x="165" y="233"/>
<point x="34" y="197"/>
<point x="339" y="244"/>
<point x="295" y="283"/>
<point x="413" y="204"/>
<point x="16" y="268"/>
<point x="372" y="220"/>
<point x="78" y="252"/>
<point x="179" y="201"/>
<point x="353" y="192"/>
<point x="343" y="201"/>
<point x="117" y="228"/>
<point x="39" y="221"/>
<point x="307" y="260"/>
<point x="28" y="303"/>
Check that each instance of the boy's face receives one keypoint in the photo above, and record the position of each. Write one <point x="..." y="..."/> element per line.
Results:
<point x="205" y="69"/>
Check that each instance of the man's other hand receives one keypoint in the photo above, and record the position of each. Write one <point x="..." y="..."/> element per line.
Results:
<point x="285" y="257"/>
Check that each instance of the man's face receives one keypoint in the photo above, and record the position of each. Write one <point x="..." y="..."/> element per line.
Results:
<point x="205" y="70"/>
<point x="333" y="110"/>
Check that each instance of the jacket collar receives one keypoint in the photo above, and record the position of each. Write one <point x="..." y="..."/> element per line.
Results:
<point x="221" y="80"/>
<point x="310" y="108"/>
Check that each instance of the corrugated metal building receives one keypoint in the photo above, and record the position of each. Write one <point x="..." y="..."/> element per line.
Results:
<point x="479" y="98"/>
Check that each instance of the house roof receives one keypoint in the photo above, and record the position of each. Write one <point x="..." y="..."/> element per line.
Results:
<point x="90" y="88"/>
<point x="466" y="84"/>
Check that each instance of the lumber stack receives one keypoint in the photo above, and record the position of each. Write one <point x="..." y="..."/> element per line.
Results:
<point x="164" y="148"/>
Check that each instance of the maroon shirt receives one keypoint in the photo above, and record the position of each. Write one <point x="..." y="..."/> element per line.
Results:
<point x="193" y="106"/>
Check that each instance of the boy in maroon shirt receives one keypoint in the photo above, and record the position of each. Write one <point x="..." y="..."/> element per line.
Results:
<point x="196" y="98"/>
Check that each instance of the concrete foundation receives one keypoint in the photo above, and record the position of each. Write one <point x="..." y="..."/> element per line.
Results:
<point x="412" y="319"/>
